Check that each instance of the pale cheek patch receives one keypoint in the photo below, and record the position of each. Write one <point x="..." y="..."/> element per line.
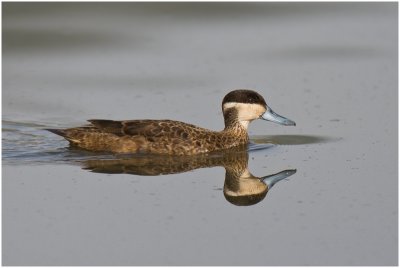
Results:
<point x="246" y="111"/>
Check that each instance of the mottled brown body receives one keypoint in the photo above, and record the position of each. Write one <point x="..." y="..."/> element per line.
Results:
<point x="153" y="136"/>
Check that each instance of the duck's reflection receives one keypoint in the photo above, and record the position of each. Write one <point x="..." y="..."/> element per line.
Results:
<point x="241" y="188"/>
<point x="247" y="190"/>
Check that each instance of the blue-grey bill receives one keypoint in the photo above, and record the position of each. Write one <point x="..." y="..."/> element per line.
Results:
<point x="270" y="115"/>
<point x="270" y="180"/>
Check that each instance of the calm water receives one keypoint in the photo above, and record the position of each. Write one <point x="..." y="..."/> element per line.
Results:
<point x="330" y="67"/>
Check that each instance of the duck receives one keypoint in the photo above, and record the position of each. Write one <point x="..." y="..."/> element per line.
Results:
<point x="169" y="137"/>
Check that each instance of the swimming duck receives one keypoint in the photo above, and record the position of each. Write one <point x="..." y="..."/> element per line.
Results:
<point x="239" y="108"/>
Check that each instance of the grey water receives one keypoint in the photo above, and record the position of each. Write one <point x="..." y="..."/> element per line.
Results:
<point x="331" y="67"/>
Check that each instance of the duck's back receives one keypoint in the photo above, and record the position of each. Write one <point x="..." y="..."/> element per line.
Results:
<point x="147" y="136"/>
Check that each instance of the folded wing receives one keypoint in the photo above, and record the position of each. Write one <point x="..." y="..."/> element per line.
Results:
<point x="146" y="128"/>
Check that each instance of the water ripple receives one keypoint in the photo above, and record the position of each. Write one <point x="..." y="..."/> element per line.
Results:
<point x="30" y="143"/>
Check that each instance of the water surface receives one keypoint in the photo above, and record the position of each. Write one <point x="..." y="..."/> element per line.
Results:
<point x="331" y="67"/>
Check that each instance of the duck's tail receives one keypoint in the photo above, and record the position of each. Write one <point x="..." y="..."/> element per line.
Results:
<point x="66" y="134"/>
<point x="60" y="132"/>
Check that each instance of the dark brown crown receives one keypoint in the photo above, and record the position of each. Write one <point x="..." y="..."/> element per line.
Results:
<point x="244" y="96"/>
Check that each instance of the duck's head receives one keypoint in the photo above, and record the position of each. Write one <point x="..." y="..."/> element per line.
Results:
<point x="245" y="105"/>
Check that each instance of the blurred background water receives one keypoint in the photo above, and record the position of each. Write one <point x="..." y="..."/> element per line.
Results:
<point x="331" y="67"/>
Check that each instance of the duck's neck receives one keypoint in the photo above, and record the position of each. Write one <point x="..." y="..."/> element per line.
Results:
<point x="234" y="126"/>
